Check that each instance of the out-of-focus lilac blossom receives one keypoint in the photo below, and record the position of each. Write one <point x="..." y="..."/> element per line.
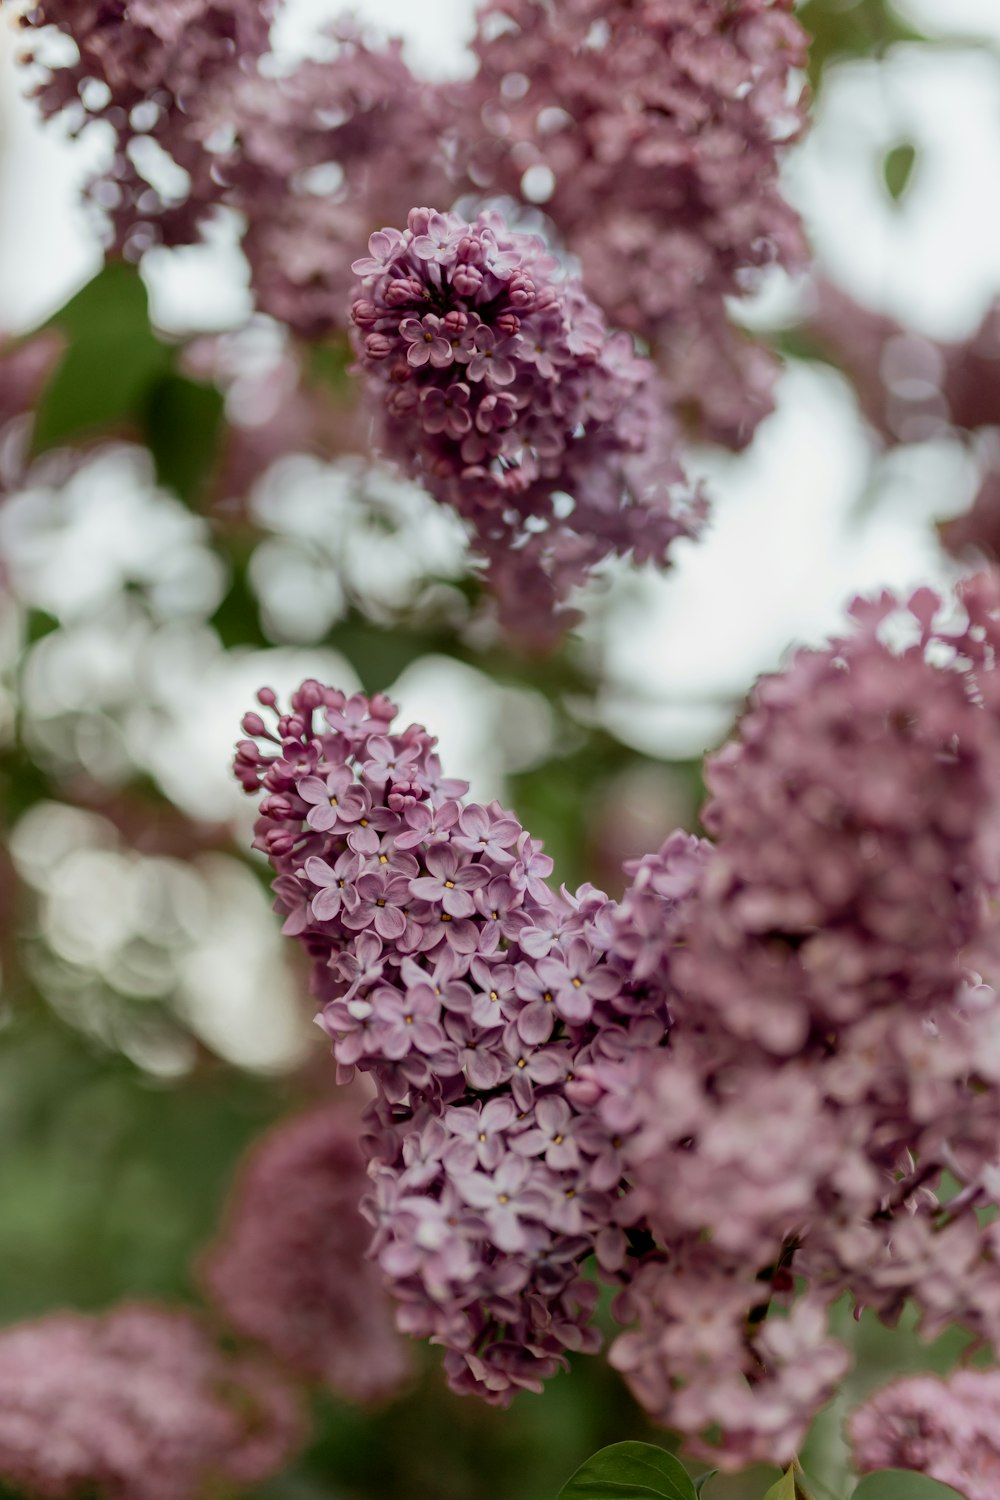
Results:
<point x="144" y="67"/>
<point x="501" y="388"/>
<point x="947" y="1429"/>
<point x="651" y="135"/>
<point x="136" y="1404"/>
<point x="313" y="159"/>
<point x="484" y="1208"/>
<point x="290" y="1267"/>
<point x="830" y="1057"/>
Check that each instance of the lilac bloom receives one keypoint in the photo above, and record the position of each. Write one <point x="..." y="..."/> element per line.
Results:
<point x="492" y="360"/>
<point x="338" y="892"/>
<point x="354" y="719"/>
<point x="362" y="966"/>
<point x="337" y="800"/>
<point x="578" y="980"/>
<point x="454" y="993"/>
<point x="487" y="831"/>
<point x="495" y="998"/>
<point x="551" y="1136"/>
<point x="294" y="901"/>
<point x="385" y="763"/>
<point x="422" y="1152"/>
<point x="485" y="1127"/>
<point x="532" y="869"/>
<point x="427" y="343"/>
<point x="439" y="243"/>
<point x="481" y="1057"/>
<point x="407" y="1022"/>
<point x="383" y="248"/>
<point x="606" y="1166"/>
<point x="374" y="837"/>
<point x="536" y="1018"/>
<point x="496" y="412"/>
<point x="426" y="824"/>
<point x="506" y="1198"/>
<point x="447" y="410"/>
<point x="437" y="926"/>
<point x="381" y="902"/>
<point x="529" y="1065"/>
<point x="449" y="881"/>
<point x="502" y="908"/>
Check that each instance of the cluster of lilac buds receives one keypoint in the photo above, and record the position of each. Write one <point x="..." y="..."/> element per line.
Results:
<point x="501" y="388"/>
<point x="474" y="997"/>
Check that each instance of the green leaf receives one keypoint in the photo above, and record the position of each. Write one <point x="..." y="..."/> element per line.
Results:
<point x="897" y="169"/>
<point x="112" y="359"/>
<point x="630" y="1471"/>
<point x="183" y="427"/>
<point x="902" y="1484"/>
<point x="700" y="1484"/>
<point x="859" y="28"/>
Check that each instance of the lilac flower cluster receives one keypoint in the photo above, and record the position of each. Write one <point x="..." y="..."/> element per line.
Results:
<point x="136" y="1404"/>
<point x="143" y="67"/>
<point x="748" y="1088"/>
<point x="500" y="386"/>
<point x="947" y="1429"/>
<point x="834" y="1052"/>
<point x="289" y="1268"/>
<point x="652" y="134"/>
<point x="474" y="997"/>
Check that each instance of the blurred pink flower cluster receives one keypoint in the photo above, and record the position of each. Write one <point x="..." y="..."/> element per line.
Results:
<point x="947" y="1429"/>
<point x="136" y="1404"/>
<point x="669" y="116"/>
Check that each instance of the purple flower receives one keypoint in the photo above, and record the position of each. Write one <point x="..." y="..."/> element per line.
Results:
<point x="337" y="885"/>
<point x="446" y="410"/>
<point x="577" y="980"/>
<point x="485" y="1127"/>
<point x="381" y="904"/>
<point x="407" y="1022"/>
<point x="492" y="360"/>
<point x="337" y="800"/>
<point x="383" y="248"/>
<point x="427" y="342"/>
<point x="449" y="881"/>
<point x="506" y="1198"/>
<point x="488" y="831"/>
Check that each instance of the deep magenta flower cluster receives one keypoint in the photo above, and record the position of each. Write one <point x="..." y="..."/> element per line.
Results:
<point x="136" y="1404"/>
<point x="289" y="1267"/>
<point x="946" y="1429"/>
<point x="473" y="996"/>
<point x="500" y="386"/>
<point x="651" y="133"/>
